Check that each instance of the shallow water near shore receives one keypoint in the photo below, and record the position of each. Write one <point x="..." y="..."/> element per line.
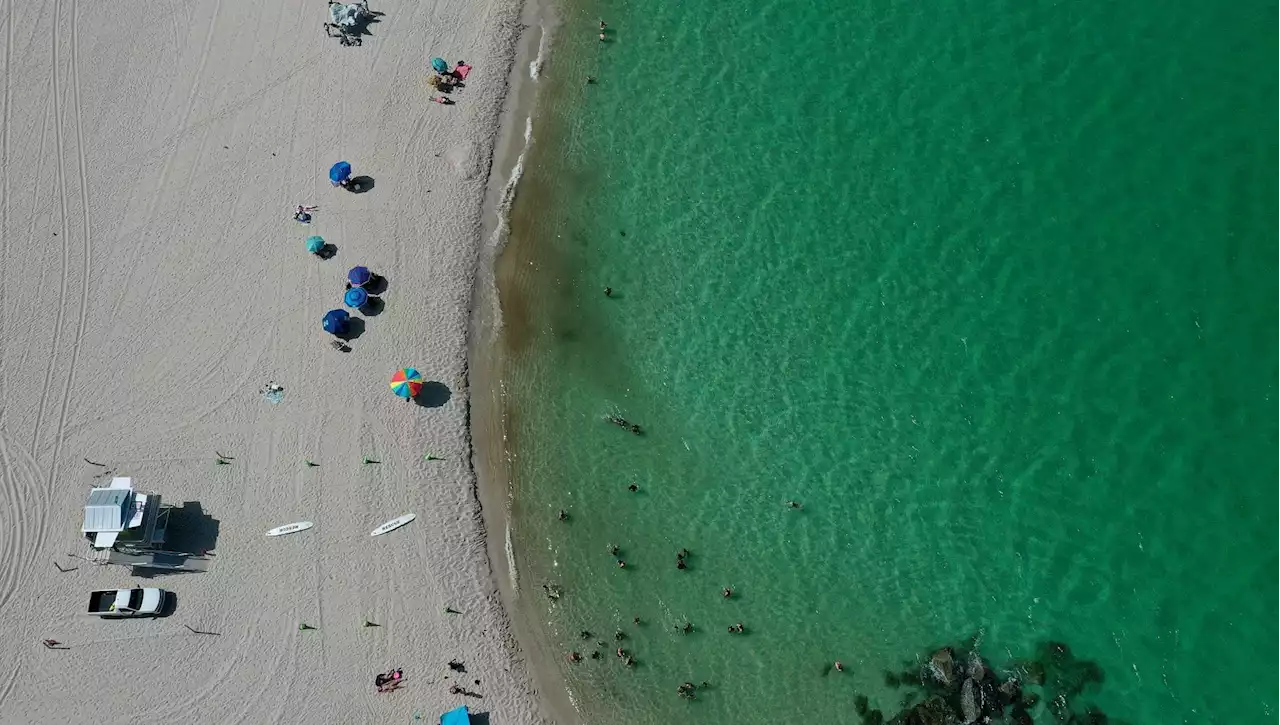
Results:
<point x="990" y="291"/>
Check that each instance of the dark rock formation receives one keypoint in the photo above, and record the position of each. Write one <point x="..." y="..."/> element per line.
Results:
<point x="969" y="705"/>
<point x="975" y="667"/>
<point x="942" y="665"/>
<point x="933" y="711"/>
<point x="956" y="686"/>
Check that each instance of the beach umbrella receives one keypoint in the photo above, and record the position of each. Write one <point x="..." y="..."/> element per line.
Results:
<point x="340" y="172"/>
<point x="335" y="321"/>
<point x="407" y="383"/>
<point x="359" y="276"/>
<point x="355" y="297"/>
<point x="440" y="65"/>
<point x="315" y="244"/>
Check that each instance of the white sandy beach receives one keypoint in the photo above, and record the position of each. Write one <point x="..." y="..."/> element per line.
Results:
<point x="154" y="280"/>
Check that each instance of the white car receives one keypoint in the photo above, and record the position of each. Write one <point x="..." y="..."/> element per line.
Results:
<point x="127" y="602"/>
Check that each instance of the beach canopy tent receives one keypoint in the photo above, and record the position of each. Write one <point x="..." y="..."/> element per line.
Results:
<point x="315" y="244"/>
<point x="335" y="321"/>
<point x="440" y="65"/>
<point x="340" y="172"/>
<point x="356" y="297"/>
<point x="459" y="716"/>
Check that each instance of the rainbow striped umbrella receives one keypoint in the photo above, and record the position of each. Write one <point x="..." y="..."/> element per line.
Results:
<point x="407" y="383"/>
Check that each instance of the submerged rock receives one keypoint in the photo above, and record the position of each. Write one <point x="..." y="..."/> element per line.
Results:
<point x="1021" y="717"/>
<point x="860" y="704"/>
<point x="874" y="717"/>
<point x="1010" y="690"/>
<point x="934" y="711"/>
<point x="1060" y="708"/>
<point x="1032" y="671"/>
<point x="891" y="679"/>
<point x="1030" y="700"/>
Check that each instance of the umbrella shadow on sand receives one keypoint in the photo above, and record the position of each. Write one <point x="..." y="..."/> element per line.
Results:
<point x="360" y="184"/>
<point x="354" y="329"/>
<point x="433" y="394"/>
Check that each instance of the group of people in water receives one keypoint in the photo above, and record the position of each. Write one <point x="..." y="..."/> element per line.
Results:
<point x="686" y="690"/>
<point x="624" y="423"/>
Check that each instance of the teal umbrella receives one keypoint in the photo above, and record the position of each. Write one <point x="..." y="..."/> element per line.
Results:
<point x="315" y="244"/>
<point x="440" y="65"/>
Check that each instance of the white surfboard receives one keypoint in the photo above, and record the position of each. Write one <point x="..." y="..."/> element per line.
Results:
<point x="290" y="528"/>
<point x="393" y="524"/>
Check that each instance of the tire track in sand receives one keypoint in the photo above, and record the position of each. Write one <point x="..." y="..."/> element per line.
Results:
<point x="65" y="237"/>
<point x="18" y="481"/>
<point x="173" y="143"/>
<point x="82" y="314"/>
<point x="7" y="122"/>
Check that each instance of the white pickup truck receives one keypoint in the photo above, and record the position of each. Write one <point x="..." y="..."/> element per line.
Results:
<point x="127" y="602"/>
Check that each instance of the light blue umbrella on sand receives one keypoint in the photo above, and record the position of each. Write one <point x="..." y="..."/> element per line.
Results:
<point x="315" y="244"/>
<point x="440" y="65"/>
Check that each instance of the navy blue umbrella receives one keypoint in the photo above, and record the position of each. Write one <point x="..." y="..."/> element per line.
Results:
<point x="335" y="321"/>
<point x="340" y="172"/>
<point x="359" y="276"/>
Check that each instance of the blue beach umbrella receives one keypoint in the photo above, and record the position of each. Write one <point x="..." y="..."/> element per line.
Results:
<point x="335" y="321"/>
<point x="440" y="65"/>
<point x="356" y="297"/>
<point x="315" y="244"/>
<point x="359" y="276"/>
<point x="340" y="172"/>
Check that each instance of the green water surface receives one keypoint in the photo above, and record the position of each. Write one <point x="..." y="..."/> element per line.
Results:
<point x="988" y="288"/>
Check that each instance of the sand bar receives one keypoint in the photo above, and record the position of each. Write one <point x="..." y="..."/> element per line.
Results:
<point x="155" y="281"/>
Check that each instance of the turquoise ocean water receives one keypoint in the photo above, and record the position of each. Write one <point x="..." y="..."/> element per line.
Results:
<point x="989" y="288"/>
